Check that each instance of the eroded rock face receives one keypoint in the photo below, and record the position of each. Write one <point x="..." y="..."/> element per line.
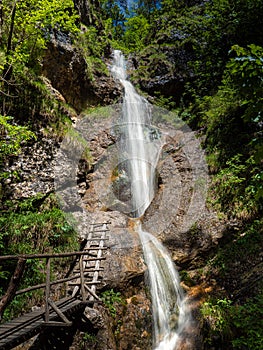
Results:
<point x="136" y="328"/>
<point x="32" y="170"/>
<point x="67" y="70"/>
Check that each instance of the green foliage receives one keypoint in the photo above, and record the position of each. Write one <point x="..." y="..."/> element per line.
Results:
<point x="33" y="24"/>
<point x="22" y="303"/>
<point x="232" y="122"/>
<point x="238" y="187"/>
<point x="165" y="102"/>
<point x="136" y="31"/>
<point x="31" y="226"/>
<point x="197" y="37"/>
<point x="147" y="8"/>
<point x="247" y="319"/>
<point x="11" y="139"/>
<point x="110" y="298"/>
<point x="2" y="61"/>
<point x="240" y="325"/>
<point x="87" y="339"/>
<point x="92" y="45"/>
<point x="114" y="19"/>
<point x="35" y="105"/>
<point x="217" y="314"/>
<point x="245" y="244"/>
<point x="12" y="136"/>
<point x="245" y="73"/>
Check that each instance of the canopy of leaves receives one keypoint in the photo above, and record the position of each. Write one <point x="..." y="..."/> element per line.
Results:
<point x="27" y="25"/>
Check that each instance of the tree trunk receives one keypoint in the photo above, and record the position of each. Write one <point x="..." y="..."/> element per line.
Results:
<point x="10" y="35"/>
<point x="1" y="21"/>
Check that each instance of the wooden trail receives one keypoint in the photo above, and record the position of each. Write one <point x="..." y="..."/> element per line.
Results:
<point x="82" y="280"/>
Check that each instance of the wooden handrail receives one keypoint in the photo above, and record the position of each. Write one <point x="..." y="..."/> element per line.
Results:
<point x="12" y="289"/>
<point x="47" y="255"/>
<point x="43" y="285"/>
<point x="22" y="258"/>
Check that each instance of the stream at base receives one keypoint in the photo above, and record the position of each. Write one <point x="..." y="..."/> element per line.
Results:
<point x="140" y="149"/>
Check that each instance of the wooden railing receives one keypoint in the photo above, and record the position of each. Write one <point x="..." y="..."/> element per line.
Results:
<point x="19" y="270"/>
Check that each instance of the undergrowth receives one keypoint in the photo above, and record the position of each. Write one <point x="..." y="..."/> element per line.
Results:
<point x="239" y="325"/>
<point x="31" y="226"/>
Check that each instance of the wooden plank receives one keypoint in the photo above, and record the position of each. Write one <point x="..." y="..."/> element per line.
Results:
<point x="90" y="283"/>
<point x="89" y="270"/>
<point x="56" y="324"/>
<point x="92" y="248"/>
<point x="95" y="246"/>
<point x="37" y="321"/>
<point x="99" y="239"/>
<point x="33" y="323"/>
<point x="97" y="264"/>
<point x="101" y="223"/>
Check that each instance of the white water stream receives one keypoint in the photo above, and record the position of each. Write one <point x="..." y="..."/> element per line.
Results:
<point x="141" y="149"/>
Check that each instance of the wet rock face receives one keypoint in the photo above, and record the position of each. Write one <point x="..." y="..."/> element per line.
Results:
<point x="136" y="322"/>
<point x="66" y="68"/>
<point x="124" y="268"/>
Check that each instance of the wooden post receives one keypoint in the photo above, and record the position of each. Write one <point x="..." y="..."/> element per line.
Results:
<point x="47" y="291"/>
<point x="13" y="285"/>
<point x="82" y="281"/>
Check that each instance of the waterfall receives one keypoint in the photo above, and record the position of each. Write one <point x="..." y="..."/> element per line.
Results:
<point x="141" y="146"/>
<point x="139" y="150"/>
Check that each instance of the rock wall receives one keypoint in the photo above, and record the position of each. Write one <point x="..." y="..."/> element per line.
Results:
<point x="66" y="68"/>
<point x="164" y="68"/>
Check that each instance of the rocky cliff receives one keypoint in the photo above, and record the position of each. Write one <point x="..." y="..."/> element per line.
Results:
<point x="81" y="86"/>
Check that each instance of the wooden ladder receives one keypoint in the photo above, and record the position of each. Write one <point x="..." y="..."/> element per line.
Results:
<point x="89" y="269"/>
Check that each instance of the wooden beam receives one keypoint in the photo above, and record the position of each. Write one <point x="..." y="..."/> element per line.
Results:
<point x="92" y="293"/>
<point x="59" y="313"/>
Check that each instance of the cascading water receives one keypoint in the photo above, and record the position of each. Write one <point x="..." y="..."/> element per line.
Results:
<point x="141" y="151"/>
<point x="138" y="149"/>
